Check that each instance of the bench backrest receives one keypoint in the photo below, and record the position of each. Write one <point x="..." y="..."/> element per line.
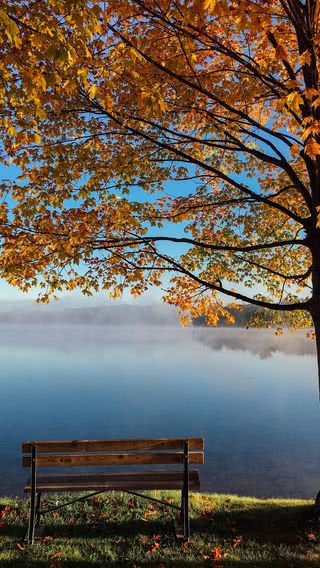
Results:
<point x="66" y="453"/>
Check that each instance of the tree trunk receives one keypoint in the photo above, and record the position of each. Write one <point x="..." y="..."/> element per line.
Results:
<point x="314" y="239"/>
<point x="316" y="322"/>
<point x="315" y="313"/>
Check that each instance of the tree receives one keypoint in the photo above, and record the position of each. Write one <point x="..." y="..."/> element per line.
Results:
<point x="138" y="124"/>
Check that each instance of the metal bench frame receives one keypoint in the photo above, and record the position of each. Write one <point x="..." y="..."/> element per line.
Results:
<point x="36" y="512"/>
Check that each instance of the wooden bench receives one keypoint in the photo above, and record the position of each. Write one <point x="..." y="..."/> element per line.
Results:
<point x="170" y="451"/>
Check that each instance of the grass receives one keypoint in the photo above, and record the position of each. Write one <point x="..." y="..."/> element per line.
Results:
<point x="114" y="530"/>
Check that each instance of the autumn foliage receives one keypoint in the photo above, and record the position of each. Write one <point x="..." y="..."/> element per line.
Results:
<point x="170" y="143"/>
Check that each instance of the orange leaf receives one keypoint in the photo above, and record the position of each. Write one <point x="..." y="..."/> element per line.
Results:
<point x="237" y="541"/>
<point x="155" y="547"/>
<point x="56" y="555"/>
<point x="312" y="148"/>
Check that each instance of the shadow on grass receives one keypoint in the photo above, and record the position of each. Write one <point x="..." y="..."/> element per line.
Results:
<point x="129" y="528"/>
<point x="166" y="564"/>
<point x="266" y="525"/>
<point x="275" y="525"/>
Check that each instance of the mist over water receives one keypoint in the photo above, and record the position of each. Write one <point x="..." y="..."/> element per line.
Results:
<point x="252" y="395"/>
<point x="263" y="343"/>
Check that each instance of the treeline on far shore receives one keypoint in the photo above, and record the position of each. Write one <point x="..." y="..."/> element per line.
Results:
<point x="253" y="316"/>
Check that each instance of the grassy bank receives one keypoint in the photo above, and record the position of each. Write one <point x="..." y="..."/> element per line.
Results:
<point x="115" y="530"/>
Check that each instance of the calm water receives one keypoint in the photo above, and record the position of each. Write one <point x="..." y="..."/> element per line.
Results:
<point x="254" y="398"/>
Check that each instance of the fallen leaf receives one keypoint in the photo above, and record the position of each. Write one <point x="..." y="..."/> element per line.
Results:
<point x="95" y="502"/>
<point x="237" y="541"/>
<point x="185" y="546"/>
<point x="216" y="555"/>
<point x="5" y="511"/>
<point x="20" y="547"/>
<point x="56" y="555"/>
<point x="149" y="513"/>
<point x="155" y="547"/>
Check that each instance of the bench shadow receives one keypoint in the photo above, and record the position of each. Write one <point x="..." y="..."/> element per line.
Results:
<point x="129" y="528"/>
<point x="267" y="525"/>
<point x="157" y="563"/>
<point x="280" y="525"/>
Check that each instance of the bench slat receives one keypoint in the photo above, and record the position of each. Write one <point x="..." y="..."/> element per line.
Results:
<point x="137" y="475"/>
<point x="144" y="481"/>
<point x="53" y="446"/>
<point x="114" y="486"/>
<point x="112" y="459"/>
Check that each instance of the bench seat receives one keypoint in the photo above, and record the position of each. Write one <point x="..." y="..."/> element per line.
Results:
<point x="114" y="481"/>
<point x="96" y="454"/>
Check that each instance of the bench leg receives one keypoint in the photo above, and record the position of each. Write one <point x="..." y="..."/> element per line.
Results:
<point x="182" y="506"/>
<point x="185" y="515"/>
<point x="32" y="519"/>
<point x="38" y="505"/>
<point x="185" y="491"/>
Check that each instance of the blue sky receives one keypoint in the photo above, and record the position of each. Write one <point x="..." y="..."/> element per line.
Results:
<point x="11" y="293"/>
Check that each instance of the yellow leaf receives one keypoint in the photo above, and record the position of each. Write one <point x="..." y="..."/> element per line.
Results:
<point x="37" y="40"/>
<point x="294" y="100"/>
<point x="10" y="28"/>
<point x="209" y="5"/>
<point x="41" y="82"/>
<point x="162" y="104"/>
<point x="185" y="321"/>
<point x="37" y="138"/>
<point x="295" y="150"/>
<point x="305" y="58"/>
<point x="12" y="131"/>
<point x="312" y="148"/>
<point x="82" y="72"/>
<point x="107" y="102"/>
<point x="310" y="93"/>
<point x="316" y="103"/>
<point x="135" y="54"/>
<point x="92" y="91"/>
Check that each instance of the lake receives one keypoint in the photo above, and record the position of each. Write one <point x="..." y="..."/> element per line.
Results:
<point x="253" y="396"/>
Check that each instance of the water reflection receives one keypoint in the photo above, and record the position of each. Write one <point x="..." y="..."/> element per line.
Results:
<point x="73" y="338"/>
<point x="253" y="397"/>
<point x="259" y="342"/>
